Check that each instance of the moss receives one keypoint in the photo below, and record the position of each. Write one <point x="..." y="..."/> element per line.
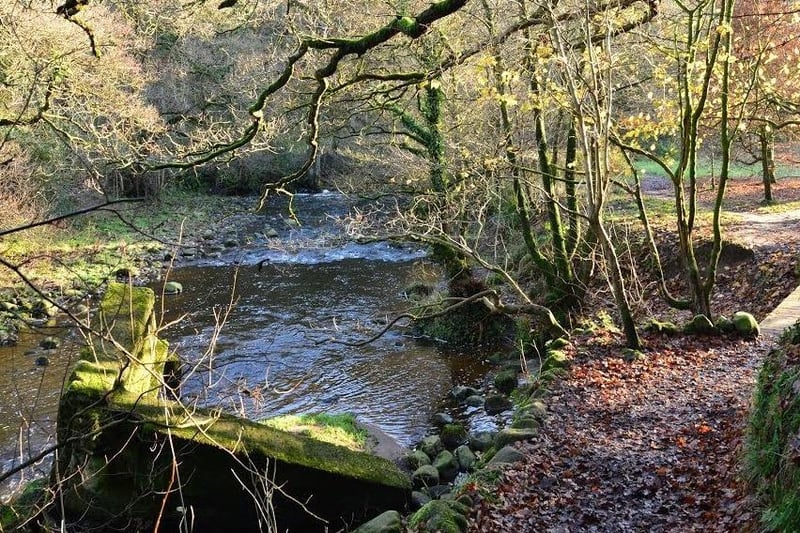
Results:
<point x="339" y="429"/>
<point x="555" y="359"/>
<point x="441" y="516"/>
<point x="27" y="504"/>
<point x="238" y="435"/>
<point x="666" y="328"/>
<point x="772" y="450"/>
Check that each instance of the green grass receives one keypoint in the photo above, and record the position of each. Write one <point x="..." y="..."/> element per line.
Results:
<point x="772" y="448"/>
<point x="779" y="207"/>
<point x="340" y="429"/>
<point x="707" y="167"/>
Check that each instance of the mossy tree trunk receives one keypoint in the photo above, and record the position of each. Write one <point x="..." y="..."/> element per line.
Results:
<point x="702" y="63"/>
<point x="589" y="86"/>
<point x="766" y="137"/>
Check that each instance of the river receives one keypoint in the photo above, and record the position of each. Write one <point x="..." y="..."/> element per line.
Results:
<point x="290" y="303"/>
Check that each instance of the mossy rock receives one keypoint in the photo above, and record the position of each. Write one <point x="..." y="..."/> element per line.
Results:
<point x="537" y="408"/>
<point x="418" y="291"/>
<point x="772" y="446"/>
<point x="630" y="355"/>
<point x="665" y="328"/>
<point x="725" y="325"/>
<point x="418" y="499"/>
<point x="481" y="441"/>
<point x="387" y="522"/>
<point x="506" y="455"/>
<point x="453" y="435"/>
<point x="461" y="393"/>
<point x="506" y="381"/>
<point x="700" y="325"/>
<point x="557" y="344"/>
<point x="210" y="446"/>
<point x="49" y="343"/>
<point x="476" y="400"/>
<point x="431" y="445"/>
<point x="24" y="506"/>
<point x="525" y="422"/>
<point x="746" y="325"/>
<point x="555" y="359"/>
<point x="173" y="287"/>
<point x="465" y="457"/>
<point x="425" y="476"/>
<point x="417" y="458"/>
<point x="447" y="465"/>
<point x="442" y="516"/>
<point x="512" y="435"/>
<point x="497" y="403"/>
<point x="791" y="335"/>
<point x="441" y="419"/>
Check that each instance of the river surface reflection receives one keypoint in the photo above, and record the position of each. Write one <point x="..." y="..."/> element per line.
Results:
<point x="282" y="348"/>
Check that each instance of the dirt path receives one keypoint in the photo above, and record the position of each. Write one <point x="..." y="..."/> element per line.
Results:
<point x="765" y="229"/>
<point x="644" y="446"/>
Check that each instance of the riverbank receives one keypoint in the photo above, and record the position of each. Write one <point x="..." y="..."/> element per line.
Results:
<point x="69" y="262"/>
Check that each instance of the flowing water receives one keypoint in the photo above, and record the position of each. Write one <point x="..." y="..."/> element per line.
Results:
<point x="290" y="304"/>
<point x="282" y="348"/>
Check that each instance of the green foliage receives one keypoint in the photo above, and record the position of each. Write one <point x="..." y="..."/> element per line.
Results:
<point x="772" y="448"/>
<point x="24" y="505"/>
<point x="340" y="428"/>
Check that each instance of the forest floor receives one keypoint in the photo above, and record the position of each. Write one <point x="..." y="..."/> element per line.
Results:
<point x="655" y="445"/>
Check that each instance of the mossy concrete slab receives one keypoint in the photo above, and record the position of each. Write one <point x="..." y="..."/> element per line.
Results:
<point x="130" y="456"/>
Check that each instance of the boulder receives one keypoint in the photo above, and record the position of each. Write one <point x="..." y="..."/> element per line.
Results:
<point x="556" y="344"/>
<point x="725" y="325"/>
<point x="466" y="459"/>
<point x="447" y="465"/>
<point x="700" y="325"/>
<point x="481" y="441"/>
<point x="425" y="476"/>
<point x="475" y="400"/>
<point x="387" y="522"/>
<point x="525" y="422"/>
<point x="461" y="393"/>
<point x="511" y="435"/>
<point x="538" y="409"/>
<point x="417" y="458"/>
<point x="173" y="287"/>
<point x="418" y="499"/>
<point x="555" y="359"/>
<point x="497" y="403"/>
<point x="506" y="381"/>
<point x="453" y="435"/>
<point x="746" y="324"/>
<point x="49" y="343"/>
<point x="441" y="419"/>
<point x="216" y="452"/>
<point x="431" y="445"/>
<point x="506" y="455"/>
<point x="439" y="491"/>
<point x="442" y="516"/>
<point x="630" y="355"/>
<point x="665" y="328"/>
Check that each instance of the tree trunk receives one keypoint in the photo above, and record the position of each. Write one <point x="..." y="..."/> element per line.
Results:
<point x="767" y="140"/>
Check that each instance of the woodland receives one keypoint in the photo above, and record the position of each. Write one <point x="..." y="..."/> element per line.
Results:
<point x="621" y="174"/>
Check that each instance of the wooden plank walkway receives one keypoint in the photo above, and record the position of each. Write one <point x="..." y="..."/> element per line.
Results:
<point x="783" y="316"/>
